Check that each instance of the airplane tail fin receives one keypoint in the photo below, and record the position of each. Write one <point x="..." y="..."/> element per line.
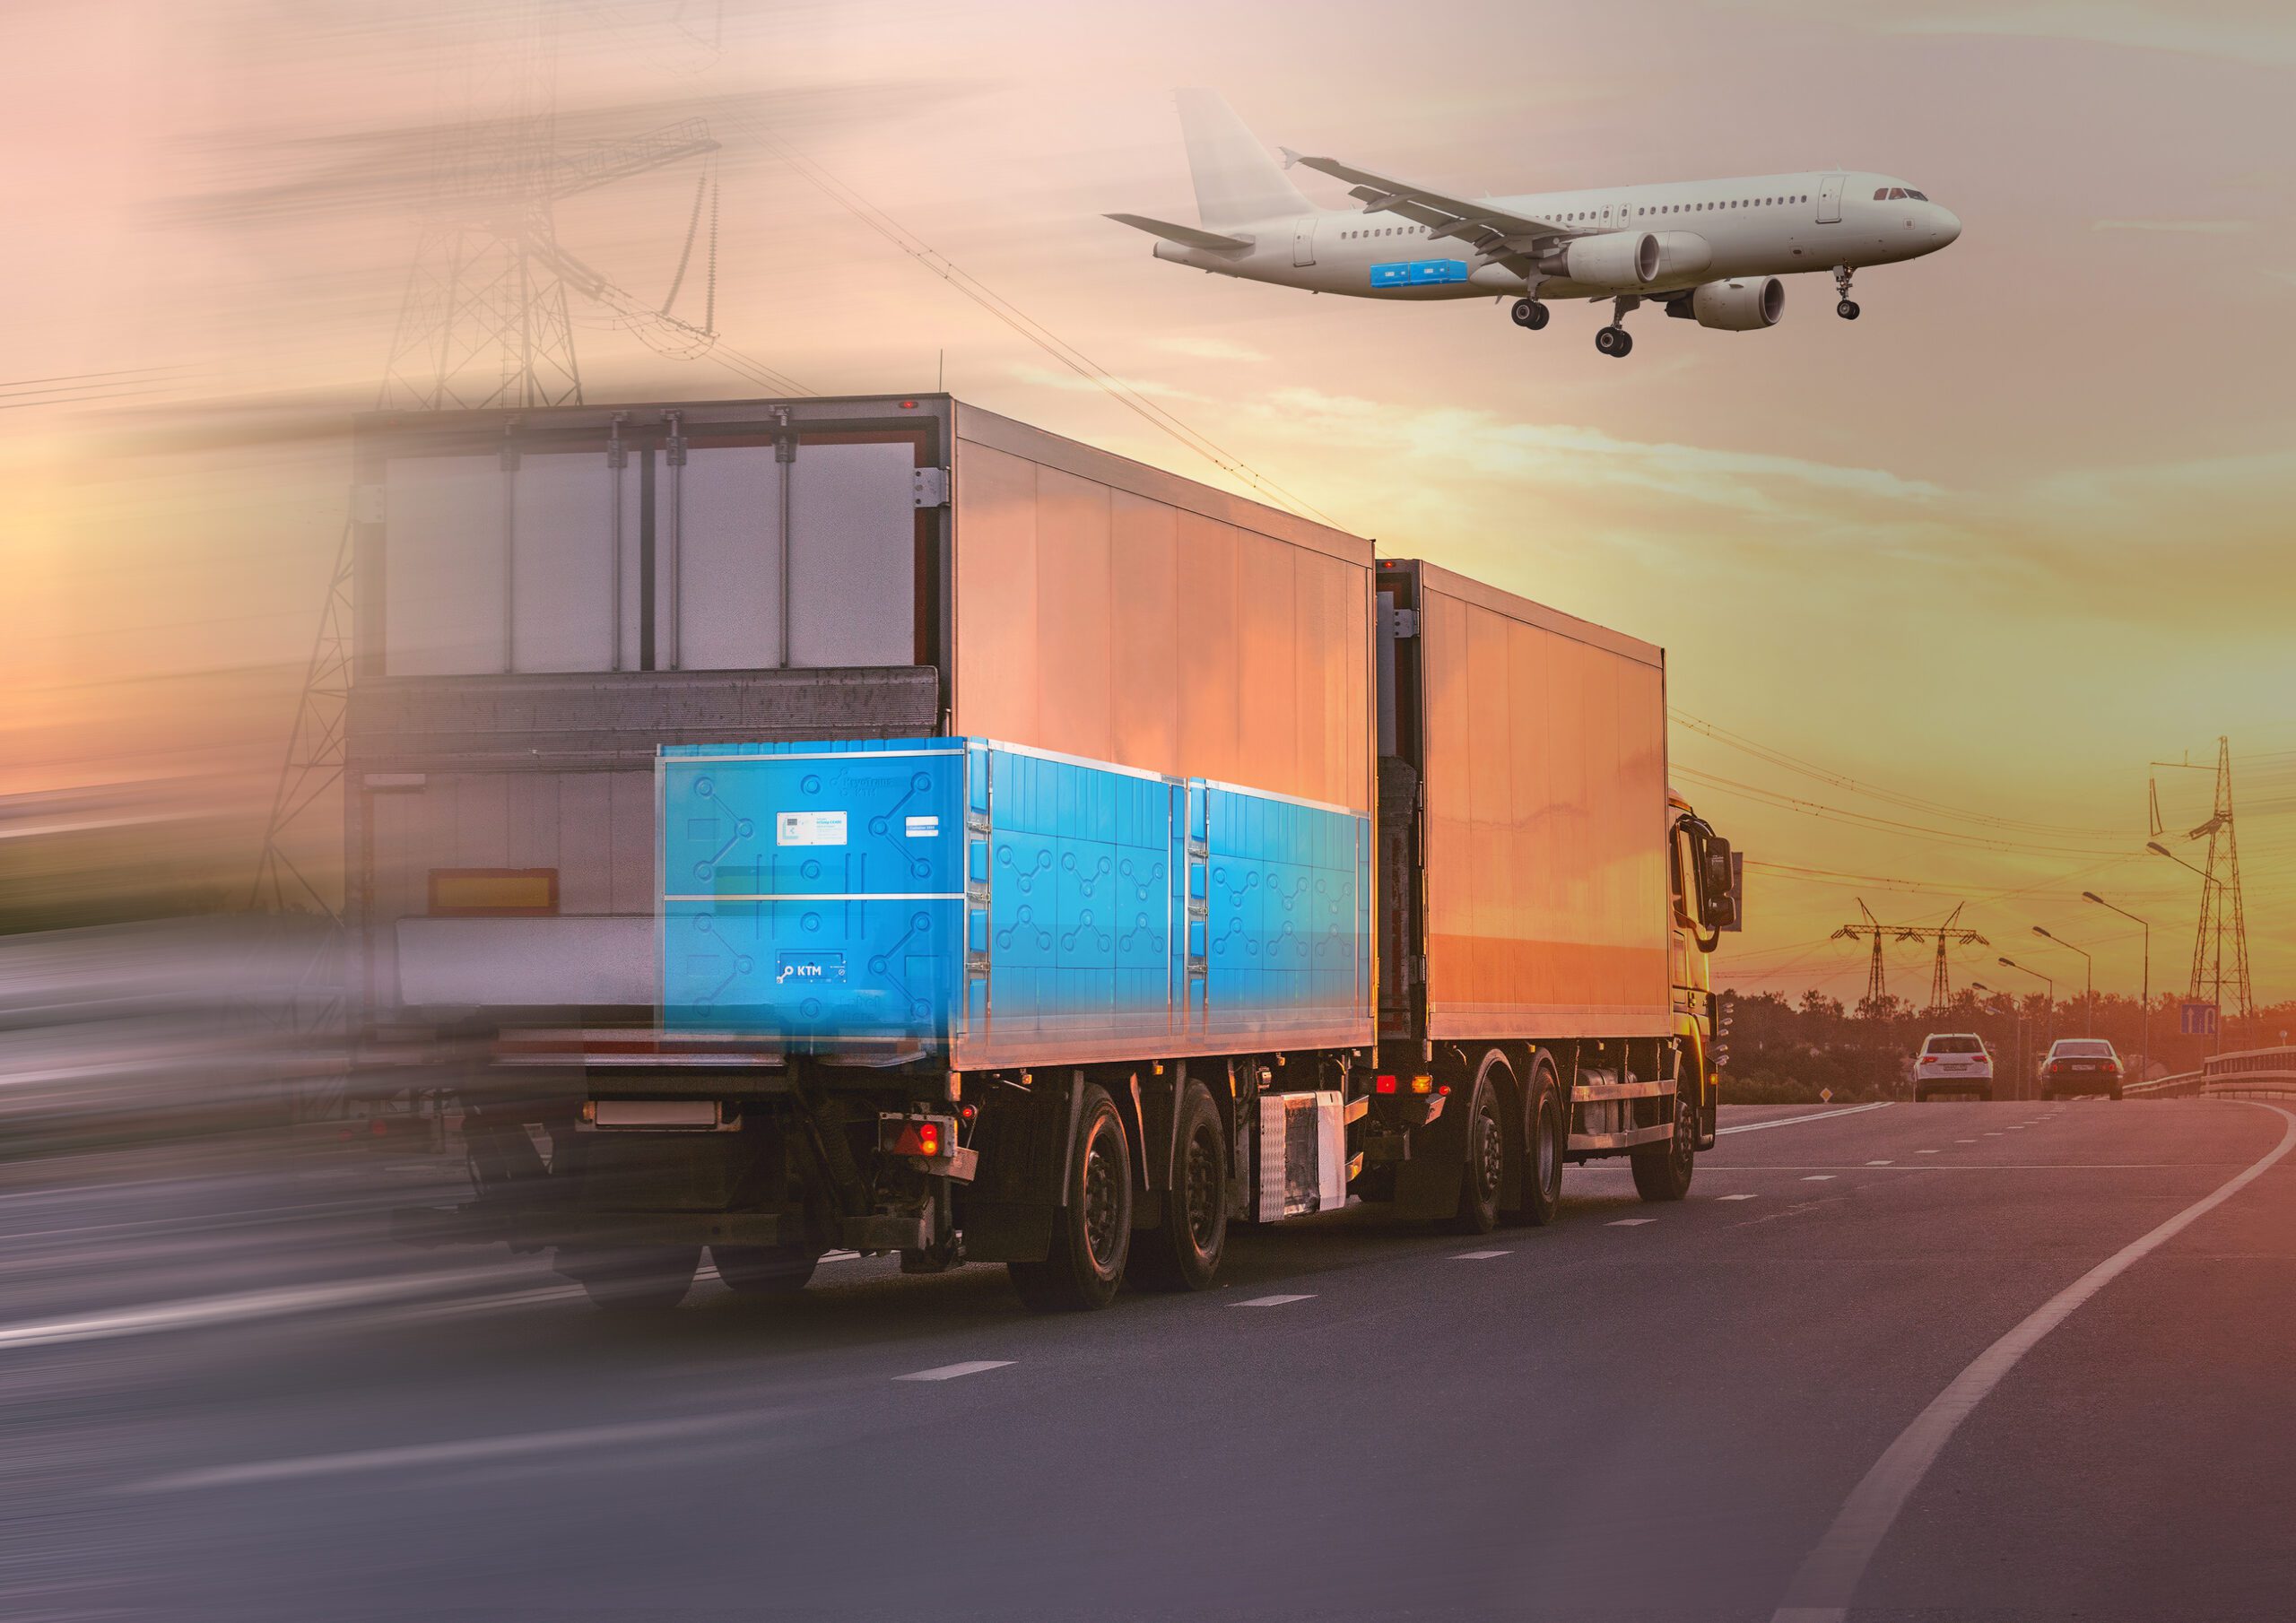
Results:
<point x="1237" y="182"/>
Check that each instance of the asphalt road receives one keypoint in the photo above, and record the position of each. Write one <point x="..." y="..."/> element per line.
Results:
<point x="224" y="1395"/>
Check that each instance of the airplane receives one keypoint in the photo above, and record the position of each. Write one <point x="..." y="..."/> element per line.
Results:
<point x="1709" y="251"/>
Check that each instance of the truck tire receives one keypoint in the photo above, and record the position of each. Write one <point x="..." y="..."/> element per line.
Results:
<point x="1546" y="1137"/>
<point x="1483" y="1174"/>
<point x="1182" y="1252"/>
<point x="631" y="1279"/>
<point x="1662" y="1172"/>
<point x="1092" y="1231"/>
<point x="763" y="1271"/>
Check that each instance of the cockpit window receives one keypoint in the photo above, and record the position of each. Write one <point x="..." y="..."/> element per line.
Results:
<point x="1917" y="197"/>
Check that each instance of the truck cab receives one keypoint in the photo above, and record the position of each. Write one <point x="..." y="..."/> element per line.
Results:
<point x="1707" y="880"/>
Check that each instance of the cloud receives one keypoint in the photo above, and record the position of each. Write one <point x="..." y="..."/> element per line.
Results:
<point x="2235" y="28"/>
<point x="2201" y="228"/>
<point x="1211" y="349"/>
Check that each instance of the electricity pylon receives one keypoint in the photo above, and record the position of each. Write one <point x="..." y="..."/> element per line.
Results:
<point x="1877" y="989"/>
<point x="2221" y="912"/>
<point x="484" y="322"/>
<point x="1941" y="981"/>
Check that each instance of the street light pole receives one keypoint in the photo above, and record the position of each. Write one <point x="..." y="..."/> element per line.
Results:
<point x="2016" y="1029"/>
<point x="2089" y="997"/>
<point x="2011" y="963"/>
<point x="2125" y="913"/>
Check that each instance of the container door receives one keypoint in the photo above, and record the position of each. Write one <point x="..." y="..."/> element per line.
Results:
<point x="814" y="896"/>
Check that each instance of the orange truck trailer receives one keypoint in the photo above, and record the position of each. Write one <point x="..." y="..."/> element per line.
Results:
<point x="741" y="791"/>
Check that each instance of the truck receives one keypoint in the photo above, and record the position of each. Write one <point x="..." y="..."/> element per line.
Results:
<point x="872" y="823"/>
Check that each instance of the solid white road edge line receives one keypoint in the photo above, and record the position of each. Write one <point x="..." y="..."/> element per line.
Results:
<point x="1272" y="1301"/>
<point x="1477" y="1257"/>
<point x="1796" y="1121"/>
<point x="1821" y="1590"/>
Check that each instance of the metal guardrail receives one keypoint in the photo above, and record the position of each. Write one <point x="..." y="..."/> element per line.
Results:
<point x="2246" y="1073"/>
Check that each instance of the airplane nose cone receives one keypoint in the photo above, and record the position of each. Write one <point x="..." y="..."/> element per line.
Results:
<point x="1949" y="226"/>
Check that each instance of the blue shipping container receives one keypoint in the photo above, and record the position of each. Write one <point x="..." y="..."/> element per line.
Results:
<point x="1003" y="905"/>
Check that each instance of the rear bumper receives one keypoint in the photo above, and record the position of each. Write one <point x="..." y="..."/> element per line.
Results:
<point x="2085" y="1081"/>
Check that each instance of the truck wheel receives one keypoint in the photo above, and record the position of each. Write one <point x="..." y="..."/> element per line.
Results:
<point x="1091" y="1232"/>
<point x="631" y="1279"/>
<point x="1484" y="1173"/>
<point x="1182" y="1252"/>
<point x="1549" y="1138"/>
<point x="1662" y="1171"/>
<point x="763" y="1271"/>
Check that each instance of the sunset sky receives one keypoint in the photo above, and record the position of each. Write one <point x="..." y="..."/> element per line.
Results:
<point x="1935" y="587"/>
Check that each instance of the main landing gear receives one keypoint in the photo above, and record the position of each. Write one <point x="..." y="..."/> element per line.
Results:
<point x="1848" y="308"/>
<point x="1614" y="340"/>
<point x="1529" y="313"/>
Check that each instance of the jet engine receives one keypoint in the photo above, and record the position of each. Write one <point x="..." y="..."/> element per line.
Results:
<point x="1615" y="259"/>
<point x="1736" y="307"/>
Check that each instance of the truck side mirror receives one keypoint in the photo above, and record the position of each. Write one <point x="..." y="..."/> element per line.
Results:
<point x="1718" y="896"/>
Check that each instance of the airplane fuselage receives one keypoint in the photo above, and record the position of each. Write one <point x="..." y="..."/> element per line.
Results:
<point x="1708" y="230"/>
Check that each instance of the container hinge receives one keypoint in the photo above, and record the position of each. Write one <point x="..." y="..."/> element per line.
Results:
<point x="928" y="487"/>
<point x="785" y="448"/>
<point x="1418" y="968"/>
<point x="617" y="453"/>
<point x="366" y="504"/>
<point x="674" y="447"/>
<point x="1406" y="623"/>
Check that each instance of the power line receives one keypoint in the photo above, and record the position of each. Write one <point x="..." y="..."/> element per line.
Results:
<point x="1006" y="311"/>
<point x="1792" y="763"/>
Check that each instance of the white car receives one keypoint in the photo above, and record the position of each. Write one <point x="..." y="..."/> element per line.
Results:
<point x="1952" y="1062"/>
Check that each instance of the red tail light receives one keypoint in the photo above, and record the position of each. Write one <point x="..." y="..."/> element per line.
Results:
<point x="1383" y="1084"/>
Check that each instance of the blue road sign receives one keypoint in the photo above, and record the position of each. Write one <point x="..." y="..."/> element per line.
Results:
<point x="2197" y="1019"/>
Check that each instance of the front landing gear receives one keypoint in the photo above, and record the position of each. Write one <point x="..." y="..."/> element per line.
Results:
<point x="1529" y="313"/>
<point x="1614" y="340"/>
<point x="1848" y="308"/>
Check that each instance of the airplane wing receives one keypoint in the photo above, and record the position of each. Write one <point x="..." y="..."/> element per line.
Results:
<point x="1494" y="231"/>
<point x="1188" y="236"/>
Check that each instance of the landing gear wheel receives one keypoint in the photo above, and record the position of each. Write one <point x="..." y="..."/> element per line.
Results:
<point x="1615" y="341"/>
<point x="1182" y="1252"/>
<point x="1542" y="1162"/>
<point x="763" y="1271"/>
<point x="1847" y="309"/>
<point x="1091" y="1233"/>
<point x="1662" y="1171"/>
<point x="1529" y="313"/>
<point x="631" y="1279"/>
<point x="1484" y="1173"/>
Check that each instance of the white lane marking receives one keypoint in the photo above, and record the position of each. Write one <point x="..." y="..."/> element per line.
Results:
<point x="1272" y="1301"/>
<point x="426" y="1453"/>
<point x="2017" y="1126"/>
<point x="950" y="1372"/>
<point x="1631" y="1222"/>
<point x="1821" y="1590"/>
<point x="1819" y="1177"/>
<point x="1477" y="1257"/>
<point x="1965" y="1141"/>
<point x="1737" y="1197"/>
<point x="200" y="1311"/>
<point x="1881" y="1163"/>
<point x="1796" y="1121"/>
<point x="1927" y="1152"/>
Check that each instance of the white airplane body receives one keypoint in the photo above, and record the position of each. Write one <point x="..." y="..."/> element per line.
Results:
<point x="1708" y="250"/>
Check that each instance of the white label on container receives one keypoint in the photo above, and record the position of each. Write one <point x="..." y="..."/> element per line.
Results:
<point x="809" y="829"/>
<point x="924" y="828"/>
